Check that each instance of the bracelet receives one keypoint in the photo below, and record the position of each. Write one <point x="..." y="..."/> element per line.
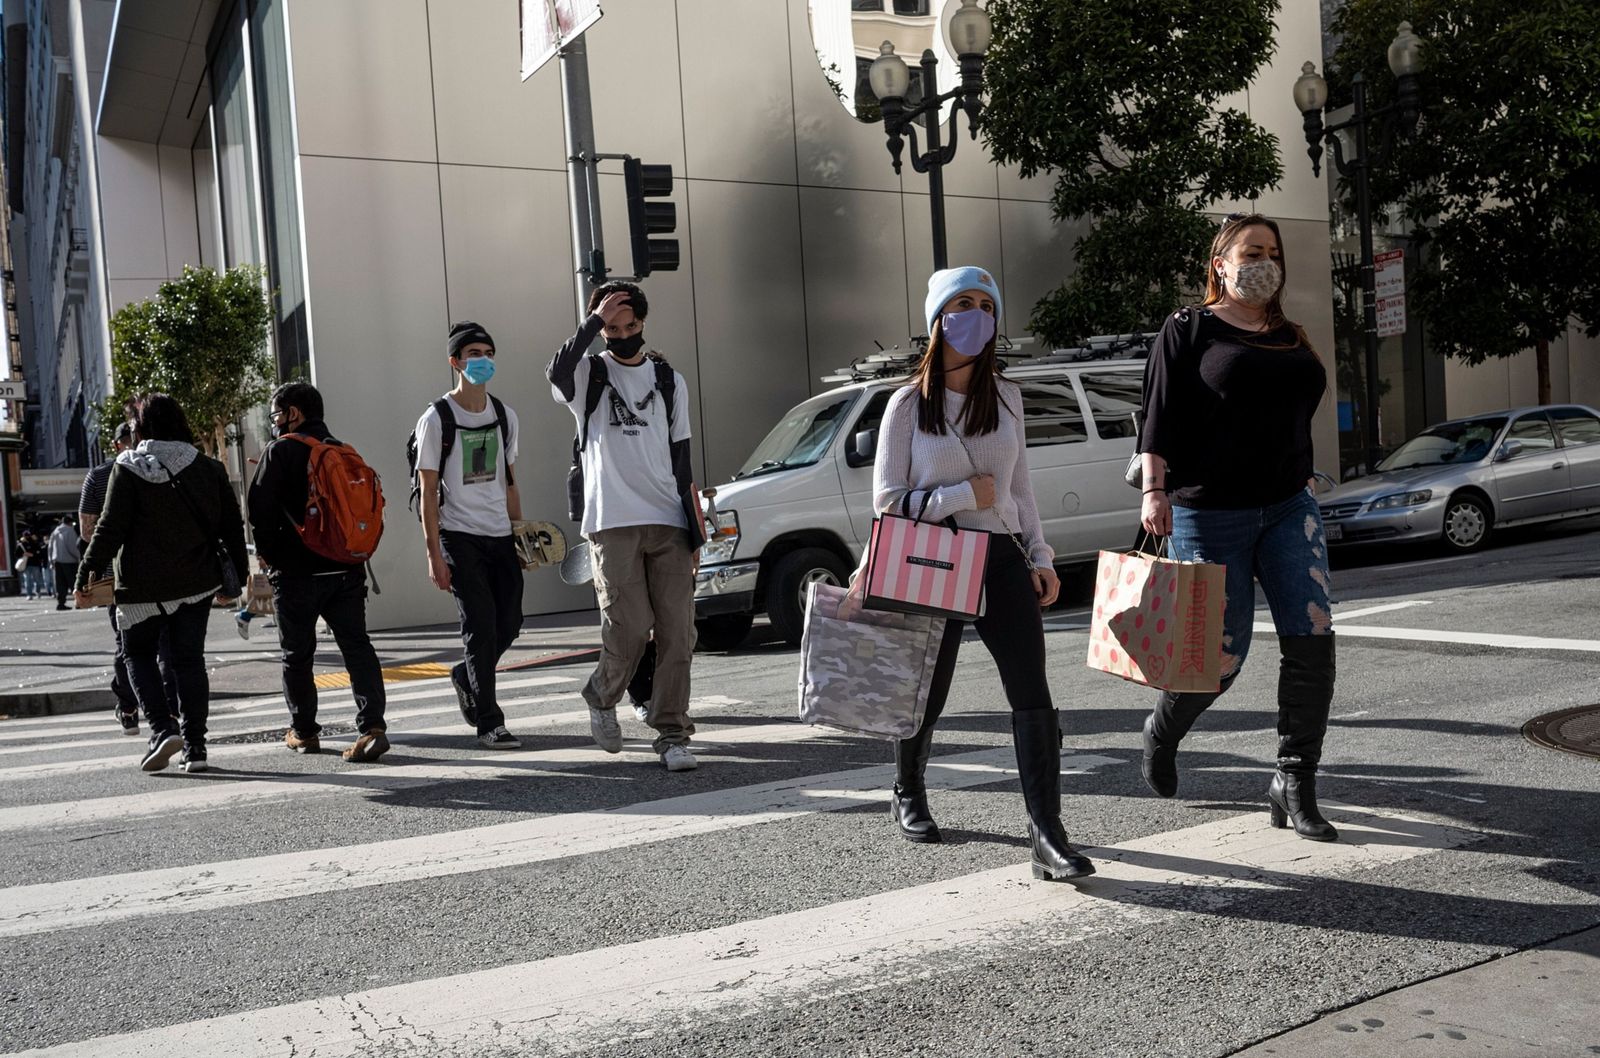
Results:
<point x="1158" y="488"/>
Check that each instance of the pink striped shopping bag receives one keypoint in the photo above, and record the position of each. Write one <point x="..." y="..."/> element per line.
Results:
<point x="918" y="567"/>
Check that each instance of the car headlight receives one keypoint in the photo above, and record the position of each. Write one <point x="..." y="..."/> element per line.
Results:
<point x="724" y="539"/>
<point x="1402" y="499"/>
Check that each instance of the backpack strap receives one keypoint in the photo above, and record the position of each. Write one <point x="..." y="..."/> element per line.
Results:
<point x="502" y="420"/>
<point x="447" y="431"/>
<point x="667" y="383"/>
<point x="1194" y="324"/>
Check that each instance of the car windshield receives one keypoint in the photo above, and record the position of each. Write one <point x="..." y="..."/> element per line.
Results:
<point x="802" y="437"/>
<point x="1466" y="441"/>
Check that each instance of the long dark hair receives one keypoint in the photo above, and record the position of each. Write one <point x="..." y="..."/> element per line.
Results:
<point x="1229" y="234"/>
<point x="981" y="413"/>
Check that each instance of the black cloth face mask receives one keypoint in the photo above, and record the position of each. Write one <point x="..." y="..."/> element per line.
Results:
<point x="625" y="348"/>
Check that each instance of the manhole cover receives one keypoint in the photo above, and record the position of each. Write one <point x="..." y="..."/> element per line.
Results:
<point x="1572" y="730"/>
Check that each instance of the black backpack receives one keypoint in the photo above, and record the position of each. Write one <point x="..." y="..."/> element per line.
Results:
<point x="599" y="379"/>
<point x="447" y="442"/>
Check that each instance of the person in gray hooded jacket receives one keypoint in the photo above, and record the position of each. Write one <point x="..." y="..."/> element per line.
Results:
<point x="168" y="507"/>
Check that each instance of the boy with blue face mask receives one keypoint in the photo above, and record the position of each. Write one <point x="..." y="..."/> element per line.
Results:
<point x="466" y="451"/>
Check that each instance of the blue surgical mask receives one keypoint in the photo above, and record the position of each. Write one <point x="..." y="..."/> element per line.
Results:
<point x="968" y="332"/>
<point x="478" y="370"/>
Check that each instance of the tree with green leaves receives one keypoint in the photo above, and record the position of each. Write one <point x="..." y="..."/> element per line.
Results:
<point x="1122" y="104"/>
<point x="203" y="340"/>
<point x="1501" y="181"/>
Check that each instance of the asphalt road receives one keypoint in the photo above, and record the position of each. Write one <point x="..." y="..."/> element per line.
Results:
<point x="453" y="902"/>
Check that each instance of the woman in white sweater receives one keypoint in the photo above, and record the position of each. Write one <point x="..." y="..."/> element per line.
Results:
<point x="952" y="444"/>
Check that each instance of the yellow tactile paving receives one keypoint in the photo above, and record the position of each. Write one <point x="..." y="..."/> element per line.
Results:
<point x="427" y="670"/>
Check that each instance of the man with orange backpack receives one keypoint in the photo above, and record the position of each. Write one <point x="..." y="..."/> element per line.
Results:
<point x="317" y="511"/>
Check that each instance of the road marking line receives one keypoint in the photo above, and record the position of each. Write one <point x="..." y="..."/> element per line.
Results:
<point x="1345" y="615"/>
<point x="50" y="906"/>
<point x="1476" y="639"/>
<point x="570" y="1002"/>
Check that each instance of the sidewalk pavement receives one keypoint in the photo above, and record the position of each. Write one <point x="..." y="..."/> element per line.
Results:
<point x="1537" y="1003"/>
<point x="55" y="661"/>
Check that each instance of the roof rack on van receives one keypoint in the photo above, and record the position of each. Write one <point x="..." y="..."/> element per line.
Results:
<point x="1013" y="352"/>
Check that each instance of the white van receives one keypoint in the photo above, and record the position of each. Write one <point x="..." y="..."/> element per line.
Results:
<point x="800" y="510"/>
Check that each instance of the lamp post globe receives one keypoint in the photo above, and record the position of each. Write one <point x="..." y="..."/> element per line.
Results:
<point x="970" y="30"/>
<point x="1405" y="52"/>
<point x="1310" y="89"/>
<point x="888" y="75"/>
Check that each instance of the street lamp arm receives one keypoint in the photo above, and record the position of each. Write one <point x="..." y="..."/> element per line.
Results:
<point x="1337" y="144"/>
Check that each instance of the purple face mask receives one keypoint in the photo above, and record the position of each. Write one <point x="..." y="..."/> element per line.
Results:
<point x="968" y="332"/>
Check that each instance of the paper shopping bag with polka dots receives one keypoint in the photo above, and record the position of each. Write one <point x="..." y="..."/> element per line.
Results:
<point x="1158" y="622"/>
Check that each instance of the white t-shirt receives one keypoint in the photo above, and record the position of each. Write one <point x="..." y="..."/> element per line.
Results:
<point x="475" y="480"/>
<point x="627" y="464"/>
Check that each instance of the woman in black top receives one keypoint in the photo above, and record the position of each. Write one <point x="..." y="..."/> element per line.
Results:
<point x="1226" y="443"/>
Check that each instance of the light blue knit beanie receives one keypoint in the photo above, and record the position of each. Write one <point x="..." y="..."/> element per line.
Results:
<point x="946" y="284"/>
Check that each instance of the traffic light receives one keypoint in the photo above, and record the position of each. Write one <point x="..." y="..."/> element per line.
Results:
<point x="646" y="218"/>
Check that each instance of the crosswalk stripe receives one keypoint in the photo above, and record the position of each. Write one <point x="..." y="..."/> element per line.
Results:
<point x="326" y="705"/>
<point x="568" y="1002"/>
<point x="212" y="794"/>
<point x="231" y="883"/>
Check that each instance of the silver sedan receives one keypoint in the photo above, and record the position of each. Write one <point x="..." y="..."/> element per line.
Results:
<point x="1460" y="480"/>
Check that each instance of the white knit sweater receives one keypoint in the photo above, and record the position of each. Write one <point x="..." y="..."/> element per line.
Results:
<point x="939" y="466"/>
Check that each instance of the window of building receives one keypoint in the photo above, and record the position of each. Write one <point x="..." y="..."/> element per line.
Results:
<point x="1051" y="414"/>
<point x="1577" y="426"/>
<point x="1114" y="398"/>
<point x="280" y="189"/>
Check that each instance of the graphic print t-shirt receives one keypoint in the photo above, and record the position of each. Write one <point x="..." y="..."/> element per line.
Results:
<point x="627" y="464"/>
<point x="475" y="477"/>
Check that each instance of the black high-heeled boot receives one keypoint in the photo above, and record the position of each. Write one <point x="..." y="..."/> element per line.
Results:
<point x="1164" y="728"/>
<point x="1305" y="695"/>
<point x="909" y="803"/>
<point x="1036" y="733"/>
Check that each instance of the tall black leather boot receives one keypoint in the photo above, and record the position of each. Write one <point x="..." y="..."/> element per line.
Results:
<point x="1037" y="734"/>
<point x="909" y="803"/>
<point x="1305" y="694"/>
<point x="1165" y="727"/>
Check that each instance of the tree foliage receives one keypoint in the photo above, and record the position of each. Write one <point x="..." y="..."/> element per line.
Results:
<point x="203" y="340"/>
<point x="1501" y="182"/>
<point x="1121" y="102"/>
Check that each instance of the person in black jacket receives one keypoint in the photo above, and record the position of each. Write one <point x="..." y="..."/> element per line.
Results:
<point x="306" y="585"/>
<point x="168" y="510"/>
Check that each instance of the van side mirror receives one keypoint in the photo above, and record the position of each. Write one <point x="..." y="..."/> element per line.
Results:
<point x="1509" y="450"/>
<point x="863" y="448"/>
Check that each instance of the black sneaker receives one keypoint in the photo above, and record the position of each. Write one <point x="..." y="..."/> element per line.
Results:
<point x="458" y="680"/>
<point x="162" y="749"/>
<point x="129" y="722"/>
<point x="194" y="758"/>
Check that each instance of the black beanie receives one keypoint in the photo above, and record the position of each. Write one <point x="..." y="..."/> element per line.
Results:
<point x="467" y="333"/>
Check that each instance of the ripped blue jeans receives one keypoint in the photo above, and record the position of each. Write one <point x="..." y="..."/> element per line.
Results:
<point x="1282" y="546"/>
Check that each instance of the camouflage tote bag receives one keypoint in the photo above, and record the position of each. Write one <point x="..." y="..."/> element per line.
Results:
<point x="868" y="674"/>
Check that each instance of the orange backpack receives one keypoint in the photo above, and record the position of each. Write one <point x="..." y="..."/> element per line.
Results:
<point x="344" y="503"/>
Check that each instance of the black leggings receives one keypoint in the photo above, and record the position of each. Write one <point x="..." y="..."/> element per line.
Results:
<point x="1012" y="627"/>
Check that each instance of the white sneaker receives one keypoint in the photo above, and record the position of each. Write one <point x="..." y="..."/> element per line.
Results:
<point x="679" y="758"/>
<point x="605" y="729"/>
<point x="241" y="624"/>
<point x="499" y="738"/>
<point x="642" y="711"/>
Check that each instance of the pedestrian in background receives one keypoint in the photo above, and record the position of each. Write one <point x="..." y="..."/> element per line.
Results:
<point x="466" y="452"/>
<point x="953" y="444"/>
<point x="167" y="508"/>
<point x="306" y="585"/>
<point x="1226" y="438"/>
<point x="31" y="553"/>
<point x="641" y="517"/>
<point x="91" y="501"/>
<point x="64" y="554"/>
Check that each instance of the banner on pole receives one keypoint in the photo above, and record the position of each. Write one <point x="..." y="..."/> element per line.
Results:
<point x="547" y="26"/>
<point x="1389" y="278"/>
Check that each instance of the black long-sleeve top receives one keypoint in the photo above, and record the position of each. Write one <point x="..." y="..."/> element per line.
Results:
<point x="279" y="488"/>
<point x="1230" y="414"/>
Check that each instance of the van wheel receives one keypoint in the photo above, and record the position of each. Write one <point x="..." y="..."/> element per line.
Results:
<point x="723" y="632"/>
<point x="791" y="582"/>
<point x="1467" y="524"/>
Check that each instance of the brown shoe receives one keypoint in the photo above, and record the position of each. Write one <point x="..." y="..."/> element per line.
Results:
<point x="313" y="744"/>
<point x="369" y="747"/>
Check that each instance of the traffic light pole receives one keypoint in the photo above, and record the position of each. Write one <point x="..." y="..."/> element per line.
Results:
<point x="583" y="178"/>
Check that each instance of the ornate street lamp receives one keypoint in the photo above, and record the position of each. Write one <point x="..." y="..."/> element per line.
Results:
<point x="970" y="33"/>
<point x="1399" y="118"/>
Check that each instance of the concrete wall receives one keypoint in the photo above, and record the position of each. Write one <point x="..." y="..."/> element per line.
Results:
<point x="1497" y="384"/>
<point x="148" y="203"/>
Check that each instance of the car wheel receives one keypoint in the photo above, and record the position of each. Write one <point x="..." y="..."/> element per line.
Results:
<point x="790" y="584"/>
<point x="1467" y="524"/>
<point x="723" y="632"/>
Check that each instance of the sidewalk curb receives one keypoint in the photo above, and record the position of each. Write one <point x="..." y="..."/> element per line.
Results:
<point x="62" y="703"/>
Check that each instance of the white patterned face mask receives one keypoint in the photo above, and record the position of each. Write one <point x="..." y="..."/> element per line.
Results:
<point x="1255" y="282"/>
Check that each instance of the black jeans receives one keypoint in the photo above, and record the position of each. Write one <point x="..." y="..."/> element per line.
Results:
<point x="1012" y="628"/>
<point x="341" y="600"/>
<point x="66" y="575"/>
<point x="185" y="630"/>
<point x="122" y="680"/>
<point x="486" y="579"/>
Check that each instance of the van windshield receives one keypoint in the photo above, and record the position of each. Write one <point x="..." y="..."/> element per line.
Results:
<point x="802" y="437"/>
